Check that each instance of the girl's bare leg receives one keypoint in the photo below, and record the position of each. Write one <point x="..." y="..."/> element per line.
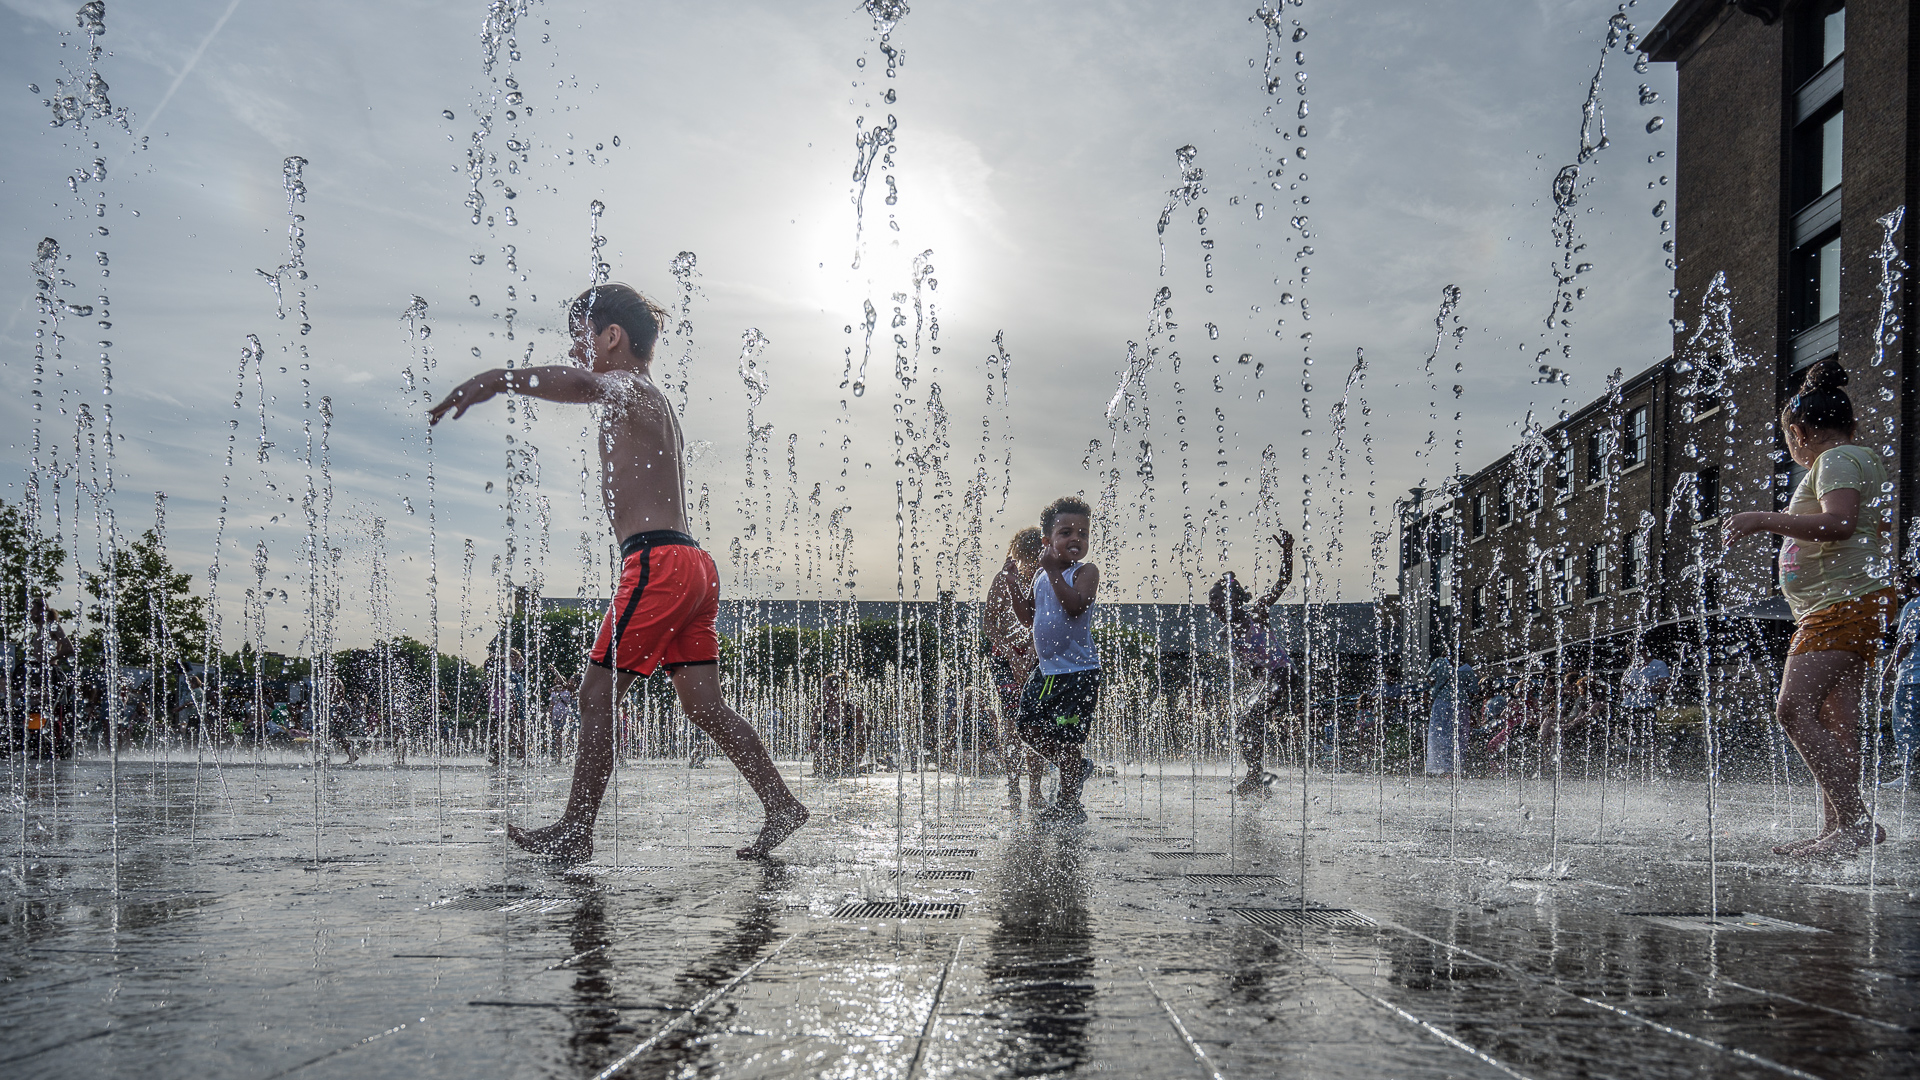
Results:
<point x="1819" y="707"/>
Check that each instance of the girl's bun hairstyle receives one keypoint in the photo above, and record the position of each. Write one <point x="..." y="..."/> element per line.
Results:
<point x="1820" y="404"/>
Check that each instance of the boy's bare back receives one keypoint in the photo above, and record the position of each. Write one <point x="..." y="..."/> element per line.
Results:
<point x="641" y="457"/>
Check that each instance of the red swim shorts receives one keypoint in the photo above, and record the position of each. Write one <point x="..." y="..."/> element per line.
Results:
<point x="663" y="613"/>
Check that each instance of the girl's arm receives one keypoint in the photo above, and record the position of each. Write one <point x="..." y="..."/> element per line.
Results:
<point x="1021" y="599"/>
<point x="1840" y="511"/>
<point x="1285" y="540"/>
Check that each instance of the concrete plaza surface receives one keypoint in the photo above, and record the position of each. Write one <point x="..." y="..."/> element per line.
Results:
<point x="264" y="918"/>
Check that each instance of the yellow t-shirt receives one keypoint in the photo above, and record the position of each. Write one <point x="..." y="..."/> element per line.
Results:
<point x="1819" y="574"/>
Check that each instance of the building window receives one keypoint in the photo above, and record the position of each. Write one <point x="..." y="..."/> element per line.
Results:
<point x="1822" y="37"/>
<point x="1633" y="560"/>
<point x="1817" y="155"/>
<point x="1706" y="494"/>
<point x="1506" y="601"/>
<point x="1535" y="587"/>
<point x="1503" y="510"/>
<point x="1561" y="468"/>
<point x="1477" y="515"/>
<point x="1596" y="456"/>
<point x="1560" y="582"/>
<point x="1633" y="438"/>
<point x="1536" y="479"/>
<point x="1477" y="610"/>
<point x="1816" y="281"/>
<point x="1709" y="589"/>
<point x="1596" y="570"/>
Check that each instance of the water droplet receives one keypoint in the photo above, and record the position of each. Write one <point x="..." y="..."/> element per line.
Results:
<point x="448" y="113"/>
<point x="489" y="487"/>
<point x="1259" y="210"/>
<point x="476" y="259"/>
<point x="1299" y="33"/>
<point x="596" y="208"/>
<point x="1660" y="208"/>
<point x="474" y="299"/>
<point x="1213" y="332"/>
<point x="1246" y="358"/>
<point x="1656" y="124"/>
<point x="1648" y="95"/>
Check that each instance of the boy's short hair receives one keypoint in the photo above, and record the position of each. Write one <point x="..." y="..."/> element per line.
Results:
<point x="1066" y="504"/>
<point x="615" y="304"/>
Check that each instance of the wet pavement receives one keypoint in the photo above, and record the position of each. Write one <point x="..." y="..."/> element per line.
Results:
<point x="266" y="919"/>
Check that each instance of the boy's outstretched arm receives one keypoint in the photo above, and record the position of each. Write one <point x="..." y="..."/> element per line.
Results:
<point x="561" y="383"/>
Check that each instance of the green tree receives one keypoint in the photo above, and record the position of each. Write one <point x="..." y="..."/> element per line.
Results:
<point x="157" y="620"/>
<point x="26" y="561"/>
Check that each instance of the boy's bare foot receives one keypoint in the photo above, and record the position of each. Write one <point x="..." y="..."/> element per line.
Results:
<point x="1798" y="846"/>
<point x="1844" y="843"/>
<point x="780" y="825"/>
<point x="562" y="840"/>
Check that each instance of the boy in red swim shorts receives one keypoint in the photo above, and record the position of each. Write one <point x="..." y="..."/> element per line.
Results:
<point x="663" y="612"/>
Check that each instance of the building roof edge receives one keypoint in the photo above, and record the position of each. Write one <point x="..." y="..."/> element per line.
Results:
<point x="1679" y="28"/>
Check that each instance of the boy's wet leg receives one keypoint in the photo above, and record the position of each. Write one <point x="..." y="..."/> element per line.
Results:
<point x="699" y="688"/>
<point x="572" y="836"/>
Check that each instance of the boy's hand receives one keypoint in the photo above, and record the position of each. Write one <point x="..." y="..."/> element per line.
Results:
<point x="1049" y="561"/>
<point x="464" y="397"/>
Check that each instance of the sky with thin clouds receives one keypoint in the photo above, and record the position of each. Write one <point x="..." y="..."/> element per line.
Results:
<point x="1031" y="154"/>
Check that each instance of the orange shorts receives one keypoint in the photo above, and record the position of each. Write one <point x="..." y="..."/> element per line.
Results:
<point x="663" y="613"/>
<point x="1857" y="626"/>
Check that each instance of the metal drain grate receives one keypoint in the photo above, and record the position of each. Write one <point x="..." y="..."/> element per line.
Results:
<point x="614" y="871"/>
<point x="1727" y="921"/>
<point x="1234" y="879"/>
<point x="1299" y="917"/>
<point x="942" y="853"/>
<point x="898" y="909"/>
<point x="934" y="875"/>
<point x="537" y="904"/>
<point x="1188" y="856"/>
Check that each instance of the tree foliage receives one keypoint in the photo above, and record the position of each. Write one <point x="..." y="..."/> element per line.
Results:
<point x="27" y="562"/>
<point x="154" y="615"/>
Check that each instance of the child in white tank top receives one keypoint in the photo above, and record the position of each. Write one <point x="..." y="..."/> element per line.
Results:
<point x="1060" y="698"/>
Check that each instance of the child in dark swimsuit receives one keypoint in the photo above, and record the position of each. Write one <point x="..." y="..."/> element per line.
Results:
<point x="1258" y="655"/>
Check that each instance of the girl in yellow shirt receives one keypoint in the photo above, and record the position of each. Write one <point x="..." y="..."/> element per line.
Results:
<point x="1833" y="577"/>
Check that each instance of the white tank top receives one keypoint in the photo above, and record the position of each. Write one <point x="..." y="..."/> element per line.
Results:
<point x="1063" y="644"/>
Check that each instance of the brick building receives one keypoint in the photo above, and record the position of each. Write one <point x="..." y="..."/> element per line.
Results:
<point x="1598" y="538"/>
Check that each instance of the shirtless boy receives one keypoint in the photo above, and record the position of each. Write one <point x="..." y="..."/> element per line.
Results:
<point x="663" y="611"/>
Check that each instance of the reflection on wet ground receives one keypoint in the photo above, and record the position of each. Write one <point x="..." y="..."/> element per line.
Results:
<point x="270" y="920"/>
